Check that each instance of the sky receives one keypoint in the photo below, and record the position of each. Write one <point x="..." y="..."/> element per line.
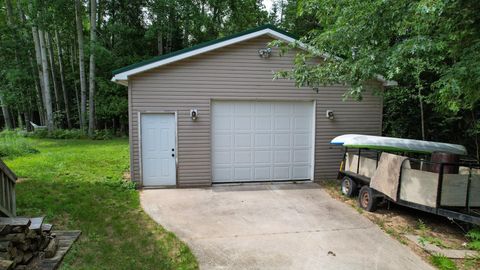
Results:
<point x="268" y="4"/>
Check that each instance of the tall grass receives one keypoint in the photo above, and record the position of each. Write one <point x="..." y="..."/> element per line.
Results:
<point x="14" y="145"/>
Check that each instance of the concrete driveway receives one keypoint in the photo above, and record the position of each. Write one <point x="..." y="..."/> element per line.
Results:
<point x="275" y="226"/>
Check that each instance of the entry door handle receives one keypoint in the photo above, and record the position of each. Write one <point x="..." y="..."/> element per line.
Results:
<point x="173" y="155"/>
<point x="173" y="149"/>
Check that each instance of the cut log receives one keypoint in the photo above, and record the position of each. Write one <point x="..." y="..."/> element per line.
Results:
<point x="43" y="245"/>
<point x="4" y="229"/>
<point x="5" y="245"/>
<point x="27" y="256"/>
<point x="18" y="229"/>
<point x="6" y="264"/>
<point x="31" y="234"/>
<point x="47" y="228"/>
<point x="25" y="245"/>
<point x="4" y="255"/>
<point x="51" y="248"/>
<point x="13" y="237"/>
<point x="36" y="223"/>
<point x="18" y="259"/>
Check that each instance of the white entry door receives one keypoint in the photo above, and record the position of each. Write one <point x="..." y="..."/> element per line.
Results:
<point x="262" y="141"/>
<point x="158" y="149"/>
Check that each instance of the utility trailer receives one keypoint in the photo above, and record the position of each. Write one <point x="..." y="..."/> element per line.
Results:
<point x="427" y="176"/>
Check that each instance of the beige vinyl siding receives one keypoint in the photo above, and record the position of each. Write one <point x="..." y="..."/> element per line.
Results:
<point x="236" y="72"/>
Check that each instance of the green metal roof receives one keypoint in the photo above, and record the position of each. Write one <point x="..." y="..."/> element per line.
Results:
<point x="201" y="45"/>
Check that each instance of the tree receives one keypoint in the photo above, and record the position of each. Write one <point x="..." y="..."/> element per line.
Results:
<point x="91" y="80"/>
<point x="429" y="47"/>
<point x="62" y="80"/>
<point x="81" y="64"/>
<point x="46" y="81"/>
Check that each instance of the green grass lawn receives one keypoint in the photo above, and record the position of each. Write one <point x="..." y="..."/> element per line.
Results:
<point x="79" y="185"/>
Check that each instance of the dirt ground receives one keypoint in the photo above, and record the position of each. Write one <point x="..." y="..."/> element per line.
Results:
<point x="397" y="221"/>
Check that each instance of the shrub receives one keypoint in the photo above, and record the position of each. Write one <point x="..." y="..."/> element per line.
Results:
<point x="14" y="145"/>
<point x="443" y="263"/>
<point x="103" y="134"/>
<point x="474" y="236"/>
<point x="57" y="134"/>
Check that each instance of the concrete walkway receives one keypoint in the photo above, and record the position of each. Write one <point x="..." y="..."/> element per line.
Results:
<point x="277" y="226"/>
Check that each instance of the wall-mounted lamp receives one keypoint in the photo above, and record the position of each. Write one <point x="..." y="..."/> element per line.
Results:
<point x="329" y="114"/>
<point x="265" y="52"/>
<point x="194" y="114"/>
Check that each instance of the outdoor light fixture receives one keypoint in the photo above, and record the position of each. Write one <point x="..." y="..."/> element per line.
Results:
<point x="329" y="114"/>
<point x="194" y="114"/>
<point x="265" y="52"/>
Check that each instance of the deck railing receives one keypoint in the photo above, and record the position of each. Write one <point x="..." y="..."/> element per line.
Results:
<point x="7" y="191"/>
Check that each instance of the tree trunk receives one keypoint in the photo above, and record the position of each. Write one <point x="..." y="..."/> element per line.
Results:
<point x="160" y="43"/>
<point x="49" y="44"/>
<point x="72" y="62"/>
<point x="6" y="113"/>
<point x="62" y="81"/>
<point x="20" y="122"/>
<point x="47" y="96"/>
<point x="81" y="64"/>
<point x="91" y="79"/>
<point x="38" y="93"/>
<point x="475" y="139"/>
<point x="39" y="69"/>
<point x="422" y="117"/>
<point x="101" y="10"/>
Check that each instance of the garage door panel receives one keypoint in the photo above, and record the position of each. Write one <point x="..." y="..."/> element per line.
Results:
<point x="282" y="139"/>
<point x="223" y="123"/>
<point x="282" y="156"/>
<point x="261" y="141"/>
<point x="281" y="172"/>
<point x="242" y="123"/>
<point x="263" y="123"/>
<point x="282" y="122"/>
<point x="222" y="173"/>
<point x="262" y="173"/>
<point x="242" y="173"/>
<point x="262" y="157"/>
<point x="243" y="140"/>
<point x="302" y="140"/>
<point x="302" y="123"/>
<point x="222" y="157"/>
<point x="222" y="140"/>
<point x="301" y="156"/>
<point x="301" y="172"/>
<point x="242" y="157"/>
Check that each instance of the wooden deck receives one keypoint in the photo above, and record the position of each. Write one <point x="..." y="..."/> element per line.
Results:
<point x="7" y="191"/>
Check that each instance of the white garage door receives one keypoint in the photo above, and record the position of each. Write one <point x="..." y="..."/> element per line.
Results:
<point x="262" y="141"/>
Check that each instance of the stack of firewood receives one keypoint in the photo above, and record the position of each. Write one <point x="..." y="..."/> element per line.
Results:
<point x="25" y="241"/>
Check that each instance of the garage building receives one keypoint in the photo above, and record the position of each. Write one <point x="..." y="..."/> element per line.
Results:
<point x="214" y="114"/>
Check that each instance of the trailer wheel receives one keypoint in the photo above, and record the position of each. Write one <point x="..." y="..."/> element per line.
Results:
<point x="349" y="187"/>
<point x="367" y="199"/>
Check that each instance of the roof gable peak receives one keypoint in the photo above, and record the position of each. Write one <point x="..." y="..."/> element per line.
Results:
<point x="121" y="75"/>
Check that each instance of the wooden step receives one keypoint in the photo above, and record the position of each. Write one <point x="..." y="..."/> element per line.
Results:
<point x="17" y="221"/>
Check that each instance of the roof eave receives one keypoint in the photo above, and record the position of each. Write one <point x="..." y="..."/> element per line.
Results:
<point x="124" y="76"/>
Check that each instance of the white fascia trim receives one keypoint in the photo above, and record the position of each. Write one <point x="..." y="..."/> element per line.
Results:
<point x="118" y="78"/>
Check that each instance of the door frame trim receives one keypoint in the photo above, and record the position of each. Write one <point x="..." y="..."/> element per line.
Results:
<point x="314" y="134"/>
<point x="140" y="140"/>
